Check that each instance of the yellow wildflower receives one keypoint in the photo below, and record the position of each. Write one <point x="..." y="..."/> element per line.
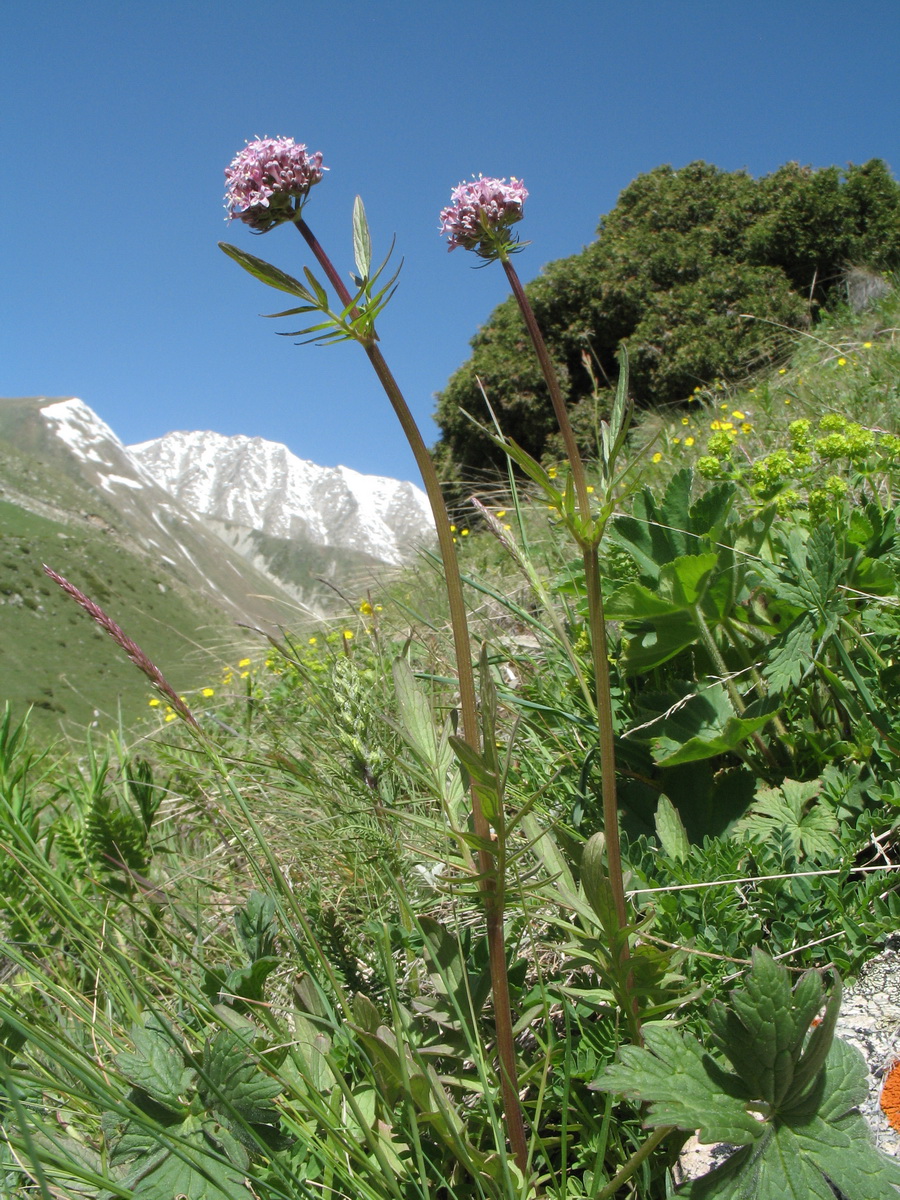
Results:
<point x="738" y="416"/>
<point x="453" y="529"/>
<point x="312" y="641"/>
<point x="657" y="457"/>
<point x="245" y="662"/>
<point x="154" y="702"/>
<point x="552" y="473"/>
<point x="348" y="635"/>
<point x="589" y="490"/>
<point x="685" y="420"/>
<point x="746" y="427"/>
<point x="689" y="441"/>
<point x="207" y="692"/>
<point x="842" y="362"/>
<point x="170" y="716"/>
<point x="501" y="514"/>
<point x="782" y="370"/>
<point x="366" y="608"/>
<point x="464" y="533"/>
<point x="867" y="345"/>
<point x="245" y="674"/>
<point x="676" y="441"/>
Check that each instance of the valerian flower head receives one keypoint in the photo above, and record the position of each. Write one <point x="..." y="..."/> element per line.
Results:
<point x="269" y="180"/>
<point x="480" y="214"/>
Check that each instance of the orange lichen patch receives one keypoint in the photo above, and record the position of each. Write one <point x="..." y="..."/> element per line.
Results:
<point x="890" y="1096"/>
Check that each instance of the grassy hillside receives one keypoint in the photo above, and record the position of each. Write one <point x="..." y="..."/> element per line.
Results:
<point x="51" y="654"/>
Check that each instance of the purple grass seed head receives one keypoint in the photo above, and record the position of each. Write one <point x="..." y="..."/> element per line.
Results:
<point x="268" y="181"/>
<point x="480" y="214"/>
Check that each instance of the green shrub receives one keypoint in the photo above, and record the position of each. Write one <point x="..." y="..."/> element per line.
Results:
<point x="678" y="263"/>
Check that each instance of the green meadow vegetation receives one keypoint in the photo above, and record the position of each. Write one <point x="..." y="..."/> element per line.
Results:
<point x="267" y="952"/>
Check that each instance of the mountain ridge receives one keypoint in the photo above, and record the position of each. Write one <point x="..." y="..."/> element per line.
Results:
<point x="187" y="586"/>
<point x="264" y="486"/>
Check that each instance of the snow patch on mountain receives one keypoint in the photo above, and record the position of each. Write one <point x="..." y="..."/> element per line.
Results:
<point x="80" y="428"/>
<point x="261" y="485"/>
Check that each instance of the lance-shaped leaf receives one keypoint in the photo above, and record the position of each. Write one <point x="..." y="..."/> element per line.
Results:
<point x="362" y="241"/>
<point x="671" y="831"/>
<point x="267" y="274"/>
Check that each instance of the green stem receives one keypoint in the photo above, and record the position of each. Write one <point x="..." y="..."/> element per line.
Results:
<point x="491" y="895"/>
<point x="634" y="1162"/>
<point x="719" y="663"/>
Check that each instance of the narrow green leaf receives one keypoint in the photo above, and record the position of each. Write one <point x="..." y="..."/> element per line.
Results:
<point x="362" y="242"/>
<point x="484" y="778"/>
<point x="266" y="273"/>
<point x="318" y="291"/>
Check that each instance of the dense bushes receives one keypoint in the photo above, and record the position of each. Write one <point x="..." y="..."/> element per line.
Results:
<point x="677" y="263"/>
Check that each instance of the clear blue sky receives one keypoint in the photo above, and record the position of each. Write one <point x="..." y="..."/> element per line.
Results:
<point x="120" y="116"/>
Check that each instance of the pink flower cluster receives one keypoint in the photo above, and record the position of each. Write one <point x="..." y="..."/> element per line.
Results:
<point x="266" y="178"/>
<point x="481" y="212"/>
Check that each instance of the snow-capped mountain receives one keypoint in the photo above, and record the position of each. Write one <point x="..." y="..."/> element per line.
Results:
<point x="193" y="544"/>
<point x="113" y="493"/>
<point x="261" y="486"/>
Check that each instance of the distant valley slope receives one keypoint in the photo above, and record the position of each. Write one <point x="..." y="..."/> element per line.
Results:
<point x="183" y="540"/>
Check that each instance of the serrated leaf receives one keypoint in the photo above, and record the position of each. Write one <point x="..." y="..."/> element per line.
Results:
<point x="234" y="1080"/>
<point x="671" y="831"/>
<point x="822" y="558"/>
<point x="709" y="512"/>
<point x="635" y="602"/>
<point x="156" y="1065"/>
<point x="791" y="655"/>
<point x="736" y="730"/>
<point x="685" y="580"/>
<point x="811" y="828"/>
<point x="651" y="647"/>
<point x="804" y="1158"/>
<point x="819" y="1042"/>
<point x="256" y="926"/>
<point x="196" y="1172"/>
<point x="680" y="1083"/>
<point x="484" y="778"/>
<point x="757" y="1030"/>
<point x="247" y="983"/>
